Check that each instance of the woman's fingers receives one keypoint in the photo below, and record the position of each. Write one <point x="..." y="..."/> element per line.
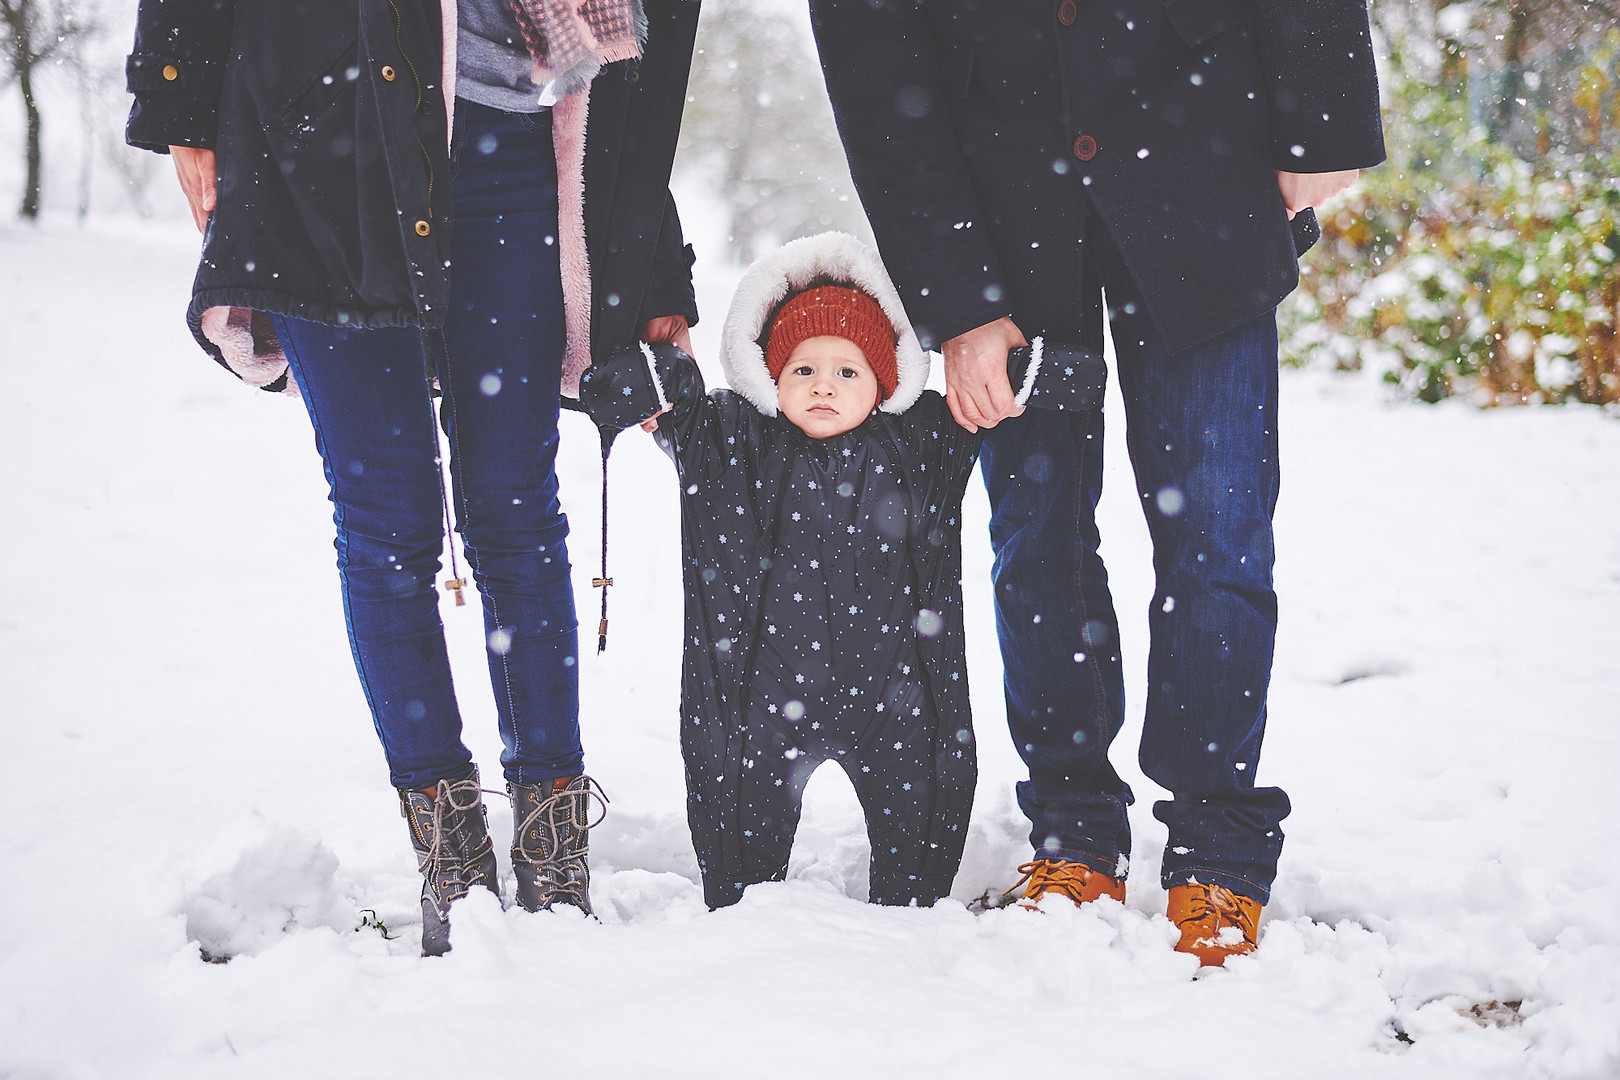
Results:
<point x="671" y="329"/>
<point x="195" y="169"/>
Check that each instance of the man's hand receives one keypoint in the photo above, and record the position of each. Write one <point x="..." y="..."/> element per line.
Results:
<point x="195" y="168"/>
<point x="976" y="386"/>
<point x="1300" y="190"/>
<point x="666" y="329"/>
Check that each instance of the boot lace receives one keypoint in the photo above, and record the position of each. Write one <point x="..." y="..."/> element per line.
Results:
<point x="1214" y="908"/>
<point x="444" y="862"/>
<point x="1049" y="875"/>
<point x="562" y="829"/>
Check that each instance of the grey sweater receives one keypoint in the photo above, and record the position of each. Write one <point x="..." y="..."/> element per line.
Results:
<point x="492" y="62"/>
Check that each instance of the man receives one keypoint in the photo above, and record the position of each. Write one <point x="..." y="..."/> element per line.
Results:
<point x="1017" y="160"/>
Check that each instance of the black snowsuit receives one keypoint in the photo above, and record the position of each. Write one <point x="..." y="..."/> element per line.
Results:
<point x="836" y="562"/>
<point x="823" y="621"/>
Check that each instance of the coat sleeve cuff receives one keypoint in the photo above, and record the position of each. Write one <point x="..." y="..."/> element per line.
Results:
<point x="1319" y="153"/>
<point x="670" y="291"/>
<point x="176" y="102"/>
<point x="669" y="286"/>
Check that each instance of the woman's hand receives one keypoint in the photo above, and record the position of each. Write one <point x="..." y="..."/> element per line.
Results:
<point x="668" y="329"/>
<point x="1300" y="190"/>
<point x="195" y="167"/>
<point x="671" y="330"/>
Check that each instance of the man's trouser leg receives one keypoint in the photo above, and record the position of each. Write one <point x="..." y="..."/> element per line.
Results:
<point x="1202" y="433"/>
<point x="1203" y="440"/>
<point x="1059" y="636"/>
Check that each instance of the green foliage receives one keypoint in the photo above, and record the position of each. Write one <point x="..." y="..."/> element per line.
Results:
<point x="1457" y="268"/>
<point x="370" y="920"/>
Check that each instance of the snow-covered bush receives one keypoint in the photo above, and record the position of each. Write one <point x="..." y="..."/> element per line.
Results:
<point x="1458" y="268"/>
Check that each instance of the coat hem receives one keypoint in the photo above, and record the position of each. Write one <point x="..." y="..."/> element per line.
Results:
<point x="228" y="324"/>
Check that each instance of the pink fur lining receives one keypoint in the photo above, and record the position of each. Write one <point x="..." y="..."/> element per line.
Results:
<point x="248" y="343"/>
<point x="447" y="79"/>
<point x="568" y="132"/>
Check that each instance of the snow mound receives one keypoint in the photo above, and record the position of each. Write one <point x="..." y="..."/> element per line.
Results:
<point x="280" y="882"/>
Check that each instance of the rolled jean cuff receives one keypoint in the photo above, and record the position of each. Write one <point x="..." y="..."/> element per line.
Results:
<point x="1203" y="875"/>
<point x="1099" y="863"/>
<point x="422" y="780"/>
<point x="539" y="774"/>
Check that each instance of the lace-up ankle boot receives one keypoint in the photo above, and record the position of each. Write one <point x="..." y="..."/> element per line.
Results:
<point x="551" y="841"/>
<point x="1077" y="881"/>
<point x="1214" y="921"/>
<point x="450" y="833"/>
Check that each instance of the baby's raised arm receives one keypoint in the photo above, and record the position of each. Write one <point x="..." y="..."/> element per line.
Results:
<point x="638" y="382"/>
<point x="694" y="427"/>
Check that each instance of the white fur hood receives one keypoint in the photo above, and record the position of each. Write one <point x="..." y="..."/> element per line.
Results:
<point x="830" y="256"/>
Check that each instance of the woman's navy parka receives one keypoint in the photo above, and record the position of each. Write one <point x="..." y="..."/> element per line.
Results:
<point x="330" y="127"/>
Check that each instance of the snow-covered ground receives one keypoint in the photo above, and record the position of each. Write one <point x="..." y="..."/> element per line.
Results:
<point x="188" y="763"/>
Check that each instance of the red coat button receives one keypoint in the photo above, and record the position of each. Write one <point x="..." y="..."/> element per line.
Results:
<point x="1067" y="12"/>
<point x="1085" y="148"/>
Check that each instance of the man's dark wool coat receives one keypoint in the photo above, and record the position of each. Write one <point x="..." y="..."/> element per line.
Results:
<point x="982" y="134"/>
<point x="328" y="122"/>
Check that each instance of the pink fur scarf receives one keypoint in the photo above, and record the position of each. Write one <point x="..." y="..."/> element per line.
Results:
<point x="570" y="40"/>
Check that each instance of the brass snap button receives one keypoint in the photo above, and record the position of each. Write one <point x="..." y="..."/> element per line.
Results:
<point x="1067" y="12"/>
<point x="170" y="72"/>
<point x="388" y="73"/>
<point x="1085" y="148"/>
<point x="423" y="228"/>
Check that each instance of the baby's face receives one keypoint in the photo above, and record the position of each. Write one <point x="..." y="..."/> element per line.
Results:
<point x="826" y="387"/>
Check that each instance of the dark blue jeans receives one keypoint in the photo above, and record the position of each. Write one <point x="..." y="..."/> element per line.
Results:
<point x="499" y="366"/>
<point x="1202" y="434"/>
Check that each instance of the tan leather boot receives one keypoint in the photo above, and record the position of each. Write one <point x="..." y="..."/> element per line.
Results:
<point x="1214" y="921"/>
<point x="1077" y="881"/>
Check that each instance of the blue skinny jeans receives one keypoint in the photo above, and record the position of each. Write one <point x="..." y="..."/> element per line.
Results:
<point x="499" y="364"/>
<point x="1202" y="436"/>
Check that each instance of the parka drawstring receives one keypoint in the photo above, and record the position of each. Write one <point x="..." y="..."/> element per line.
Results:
<point x="456" y="583"/>
<point x="604" y="581"/>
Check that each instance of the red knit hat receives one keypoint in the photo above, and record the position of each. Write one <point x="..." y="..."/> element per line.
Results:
<point x="835" y="311"/>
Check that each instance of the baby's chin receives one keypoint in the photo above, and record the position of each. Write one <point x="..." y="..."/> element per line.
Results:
<point x="823" y="428"/>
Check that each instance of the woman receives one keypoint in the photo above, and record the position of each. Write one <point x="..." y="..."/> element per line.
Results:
<point x="357" y="253"/>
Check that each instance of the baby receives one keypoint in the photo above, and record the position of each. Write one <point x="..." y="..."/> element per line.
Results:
<point x="821" y="550"/>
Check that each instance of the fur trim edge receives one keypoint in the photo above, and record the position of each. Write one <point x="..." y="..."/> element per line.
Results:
<point x="1036" y="349"/>
<point x="247" y="343"/>
<point x="569" y="117"/>
<point x="838" y="257"/>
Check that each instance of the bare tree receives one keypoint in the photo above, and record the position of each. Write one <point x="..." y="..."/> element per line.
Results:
<point x="759" y="119"/>
<point x="37" y="32"/>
